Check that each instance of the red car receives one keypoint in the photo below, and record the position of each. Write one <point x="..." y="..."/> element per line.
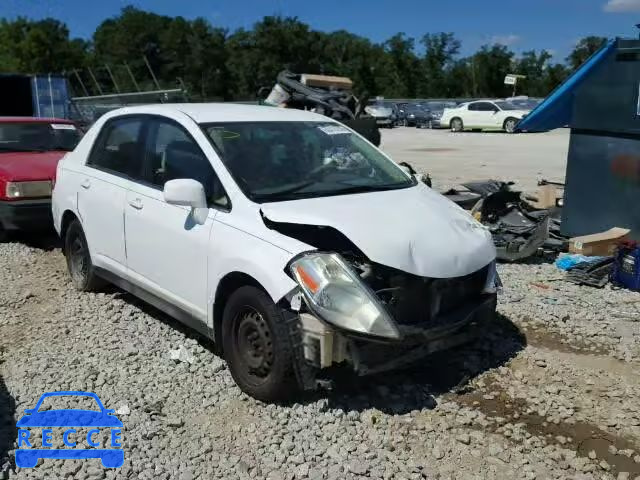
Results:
<point x="29" y="152"/>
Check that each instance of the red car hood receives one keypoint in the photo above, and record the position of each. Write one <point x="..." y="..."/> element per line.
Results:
<point x="22" y="166"/>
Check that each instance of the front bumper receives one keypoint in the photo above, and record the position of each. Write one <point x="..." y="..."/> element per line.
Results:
<point x="324" y="346"/>
<point x="26" y="214"/>
<point x="462" y="326"/>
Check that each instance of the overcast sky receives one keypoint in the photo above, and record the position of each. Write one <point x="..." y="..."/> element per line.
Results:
<point x="554" y="25"/>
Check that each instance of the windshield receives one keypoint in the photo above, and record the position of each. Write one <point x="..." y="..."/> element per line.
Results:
<point x="506" y="106"/>
<point x="37" y="137"/>
<point x="275" y="161"/>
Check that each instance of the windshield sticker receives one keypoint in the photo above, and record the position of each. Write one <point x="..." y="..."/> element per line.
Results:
<point x="334" y="130"/>
<point x="63" y="126"/>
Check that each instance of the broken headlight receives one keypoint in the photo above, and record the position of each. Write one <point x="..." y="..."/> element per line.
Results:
<point x="337" y="294"/>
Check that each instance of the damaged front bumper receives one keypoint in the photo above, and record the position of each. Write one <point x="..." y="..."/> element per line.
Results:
<point x="324" y="346"/>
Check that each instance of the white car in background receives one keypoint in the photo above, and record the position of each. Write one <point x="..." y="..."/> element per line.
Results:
<point x="283" y="236"/>
<point x="483" y="115"/>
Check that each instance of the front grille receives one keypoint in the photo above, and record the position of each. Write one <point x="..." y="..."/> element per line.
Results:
<point x="413" y="300"/>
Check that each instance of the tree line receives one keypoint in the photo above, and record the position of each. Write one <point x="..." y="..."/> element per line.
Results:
<point x="213" y="63"/>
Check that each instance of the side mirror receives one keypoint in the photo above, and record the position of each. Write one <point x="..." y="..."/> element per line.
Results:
<point x="187" y="193"/>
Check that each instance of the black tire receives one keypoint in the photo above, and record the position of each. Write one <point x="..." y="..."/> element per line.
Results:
<point x="3" y="234"/>
<point x="79" y="263"/>
<point x="257" y="346"/>
<point x="509" y="125"/>
<point x="456" y="124"/>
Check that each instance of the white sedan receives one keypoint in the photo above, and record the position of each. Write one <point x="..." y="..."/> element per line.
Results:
<point x="282" y="235"/>
<point x="483" y="115"/>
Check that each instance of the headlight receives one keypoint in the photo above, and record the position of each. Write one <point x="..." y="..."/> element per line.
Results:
<point x="17" y="190"/>
<point x="338" y="295"/>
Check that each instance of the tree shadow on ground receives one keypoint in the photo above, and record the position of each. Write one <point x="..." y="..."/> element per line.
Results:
<point x="416" y="387"/>
<point x="8" y="430"/>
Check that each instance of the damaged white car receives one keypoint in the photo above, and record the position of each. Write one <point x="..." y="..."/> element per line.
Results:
<point x="285" y="237"/>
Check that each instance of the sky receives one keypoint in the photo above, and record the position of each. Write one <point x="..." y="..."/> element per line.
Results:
<point x="554" y="25"/>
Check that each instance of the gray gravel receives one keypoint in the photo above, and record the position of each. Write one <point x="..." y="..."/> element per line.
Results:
<point x="551" y="391"/>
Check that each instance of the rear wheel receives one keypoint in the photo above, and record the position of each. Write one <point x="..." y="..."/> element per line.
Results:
<point x="79" y="262"/>
<point x="457" y="125"/>
<point x="510" y="125"/>
<point x="257" y="346"/>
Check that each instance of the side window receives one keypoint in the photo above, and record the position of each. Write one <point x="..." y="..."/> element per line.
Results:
<point x="171" y="153"/>
<point x="118" y="148"/>
<point x="486" y="107"/>
<point x="473" y="107"/>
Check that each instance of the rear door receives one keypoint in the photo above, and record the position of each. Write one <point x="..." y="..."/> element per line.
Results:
<point x="115" y="159"/>
<point x="166" y="249"/>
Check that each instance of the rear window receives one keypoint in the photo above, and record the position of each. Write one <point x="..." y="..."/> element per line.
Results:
<point x="38" y="137"/>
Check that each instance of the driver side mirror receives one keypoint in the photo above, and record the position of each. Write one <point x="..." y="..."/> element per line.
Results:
<point x="187" y="192"/>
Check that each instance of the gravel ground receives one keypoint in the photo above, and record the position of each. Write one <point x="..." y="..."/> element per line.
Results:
<point x="551" y="391"/>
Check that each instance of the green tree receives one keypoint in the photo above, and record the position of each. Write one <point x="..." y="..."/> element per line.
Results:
<point x="406" y="66"/>
<point x="584" y="49"/>
<point x="42" y="46"/>
<point x="489" y="67"/>
<point x="440" y="52"/>
<point x="534" y="67"/>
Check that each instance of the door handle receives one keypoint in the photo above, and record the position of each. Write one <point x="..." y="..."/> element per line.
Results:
<point x="136" y="203"/>
<point x="85" y="184"/>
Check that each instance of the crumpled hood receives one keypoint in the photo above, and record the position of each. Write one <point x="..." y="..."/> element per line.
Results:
<point x="415" y="229"/>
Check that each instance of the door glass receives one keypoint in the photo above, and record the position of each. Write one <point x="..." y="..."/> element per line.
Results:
<point x="486" y="107"/>
<point x="118" y="148"/>
<point x="172" y="154"/>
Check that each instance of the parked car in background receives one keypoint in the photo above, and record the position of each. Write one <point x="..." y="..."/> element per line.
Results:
<point x="289" y="240"/>
<point x="483" y="115"/>
<point x="525" y="103"/>
<point x="30" y="149"/>
<point x="382" y="113"/>
<point x="437" y="109"/>
<point x="417" y="115"/>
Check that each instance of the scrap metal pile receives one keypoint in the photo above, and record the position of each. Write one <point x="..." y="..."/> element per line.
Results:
<point x="326" y="95"/>
<point x="519" y="228"/>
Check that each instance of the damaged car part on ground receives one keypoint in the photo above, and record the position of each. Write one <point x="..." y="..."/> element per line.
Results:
<point x="293" y="231"/>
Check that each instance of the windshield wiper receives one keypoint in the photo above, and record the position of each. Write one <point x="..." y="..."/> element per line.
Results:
<point x="288" y="193"/>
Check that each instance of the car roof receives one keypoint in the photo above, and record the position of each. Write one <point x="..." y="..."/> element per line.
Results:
<point x="226" y="112"/>
<point x="34" y="120"/>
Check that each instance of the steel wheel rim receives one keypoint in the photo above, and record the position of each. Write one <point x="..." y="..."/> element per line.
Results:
<point x="254" y="343"/>
<point x="510" y="127"/>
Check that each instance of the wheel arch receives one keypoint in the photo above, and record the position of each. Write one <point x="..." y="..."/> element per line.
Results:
<point x="67" y="217"/>
<point x="228" y="284"/>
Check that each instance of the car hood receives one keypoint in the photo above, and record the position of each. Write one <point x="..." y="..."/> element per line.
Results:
<point x="69" y="418"/>
<point x="415" y="229"/>
<point x="22" y="166"/>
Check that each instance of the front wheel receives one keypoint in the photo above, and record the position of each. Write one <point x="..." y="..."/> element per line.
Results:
<point x="79" y="262"/>
<point x="457" y="125"/>
<point x="510" y="125"/>
<point x="257" y="346"/>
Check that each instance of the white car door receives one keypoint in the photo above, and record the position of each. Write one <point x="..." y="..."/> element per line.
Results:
<point x="166" y="249"/>
<point x="103" y="182"/>
<point x="484" y="115"/>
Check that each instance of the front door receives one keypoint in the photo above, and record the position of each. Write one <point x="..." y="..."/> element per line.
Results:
<point x="167" y="251"/>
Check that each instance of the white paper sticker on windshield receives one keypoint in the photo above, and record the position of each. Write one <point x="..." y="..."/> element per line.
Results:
<point x="63" y="126"/>
<point x="334" y="130"/>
